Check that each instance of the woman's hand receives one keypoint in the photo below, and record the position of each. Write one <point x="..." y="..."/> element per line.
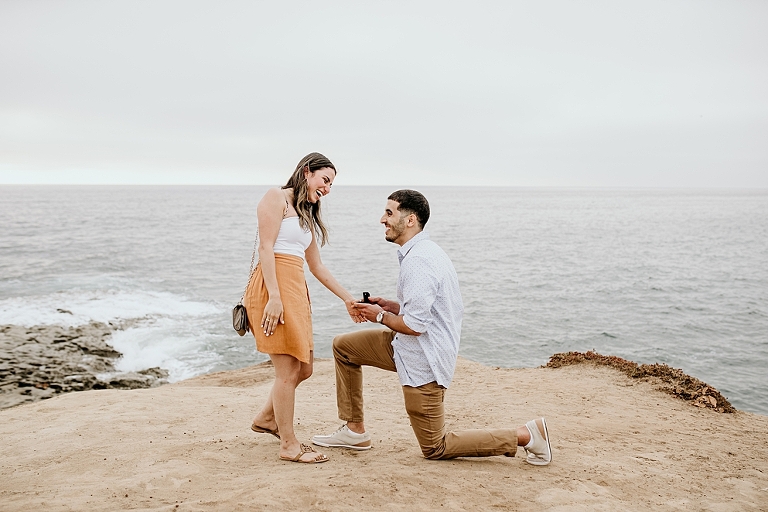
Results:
<point x="354" y="313"/>
<point x="273" y="314"/>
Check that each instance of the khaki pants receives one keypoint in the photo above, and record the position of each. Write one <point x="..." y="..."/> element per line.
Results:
<point x="424" y="404"/>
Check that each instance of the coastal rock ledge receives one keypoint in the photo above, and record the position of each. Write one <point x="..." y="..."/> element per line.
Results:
<point x="43" y="361"/>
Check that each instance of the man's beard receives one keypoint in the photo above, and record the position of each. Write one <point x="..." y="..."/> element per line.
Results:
<point x="395" y="230"/>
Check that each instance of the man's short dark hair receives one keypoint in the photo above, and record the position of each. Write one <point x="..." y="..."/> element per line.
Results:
<point x="414" y="202"/>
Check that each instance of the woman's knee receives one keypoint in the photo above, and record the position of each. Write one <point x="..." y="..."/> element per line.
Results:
<point x="305" y="372"/>
<point x="287" y="369"/>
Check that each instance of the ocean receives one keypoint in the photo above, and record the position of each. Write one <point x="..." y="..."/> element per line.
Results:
<point x="651" y="275"/>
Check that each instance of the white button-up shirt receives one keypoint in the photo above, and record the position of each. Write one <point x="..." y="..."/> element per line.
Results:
<point x="430" y="302"/>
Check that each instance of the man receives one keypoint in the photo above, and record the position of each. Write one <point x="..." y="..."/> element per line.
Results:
<point x="421" y="343"/>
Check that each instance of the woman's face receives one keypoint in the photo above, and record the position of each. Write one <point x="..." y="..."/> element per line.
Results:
<point x="319" y="183"/>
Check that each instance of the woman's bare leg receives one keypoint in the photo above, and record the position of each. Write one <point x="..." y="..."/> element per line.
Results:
<point x="288" y="369"/>
<point x="266" y="417"/>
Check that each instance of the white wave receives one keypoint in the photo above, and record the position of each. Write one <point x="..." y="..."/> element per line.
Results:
<point x="73" y="308"/>
<point x="174" y="344"/>
<point x="168" y="331"/>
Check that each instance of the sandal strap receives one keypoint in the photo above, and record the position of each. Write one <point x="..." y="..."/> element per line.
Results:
<point x="305" y="448"/>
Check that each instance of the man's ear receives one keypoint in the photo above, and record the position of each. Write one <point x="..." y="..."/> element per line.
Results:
<point x="412" y="220"/>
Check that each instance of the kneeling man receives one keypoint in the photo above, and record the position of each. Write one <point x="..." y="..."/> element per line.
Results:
<point x="421" y="344"/>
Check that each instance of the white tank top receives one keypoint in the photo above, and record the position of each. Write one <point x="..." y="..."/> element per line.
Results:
<point x="292" y="239"/>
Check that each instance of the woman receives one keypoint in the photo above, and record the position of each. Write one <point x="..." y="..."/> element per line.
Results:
<point x="277" y="298"/>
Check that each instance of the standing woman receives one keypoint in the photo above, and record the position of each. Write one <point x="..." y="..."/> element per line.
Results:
<point x="277" y="298"/>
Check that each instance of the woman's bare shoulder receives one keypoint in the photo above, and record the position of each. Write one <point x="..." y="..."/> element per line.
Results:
<point x="273" y="198"/>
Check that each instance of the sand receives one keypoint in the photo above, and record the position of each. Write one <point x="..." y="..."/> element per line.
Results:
<point x="618" y="444"/>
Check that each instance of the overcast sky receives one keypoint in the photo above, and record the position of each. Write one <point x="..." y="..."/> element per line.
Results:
<point x="539" y="93"/>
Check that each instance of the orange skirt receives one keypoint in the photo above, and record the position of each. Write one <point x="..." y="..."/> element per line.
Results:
<point x="294" y="337"/>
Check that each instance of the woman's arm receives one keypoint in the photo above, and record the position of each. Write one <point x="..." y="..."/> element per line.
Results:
<point x="322" y="274"/>
<point x="270" y="214"/>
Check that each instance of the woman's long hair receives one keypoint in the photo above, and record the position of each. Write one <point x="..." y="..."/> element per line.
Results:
<point x="309" y="213"/>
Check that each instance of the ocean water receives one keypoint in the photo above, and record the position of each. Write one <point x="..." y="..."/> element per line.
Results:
<point x="672" y="276"/>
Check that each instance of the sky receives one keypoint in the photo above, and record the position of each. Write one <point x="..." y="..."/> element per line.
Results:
<point x="546" y="93"/>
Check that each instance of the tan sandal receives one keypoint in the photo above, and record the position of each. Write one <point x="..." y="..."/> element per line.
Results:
<point x="263" y="430"/>
<point x="307" y="449"/>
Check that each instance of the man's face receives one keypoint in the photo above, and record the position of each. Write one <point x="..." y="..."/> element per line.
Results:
<point x="393" y="220"/>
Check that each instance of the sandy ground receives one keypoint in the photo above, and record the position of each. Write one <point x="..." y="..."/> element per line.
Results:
<point x="618" y="444"/>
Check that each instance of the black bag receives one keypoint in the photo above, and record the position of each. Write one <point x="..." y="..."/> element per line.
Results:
<point x="240" y="319"/>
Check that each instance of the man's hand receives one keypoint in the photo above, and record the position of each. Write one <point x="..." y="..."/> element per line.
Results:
<point x="393" y="320"/>
<point x="368" y="311"/>
<point x="390" y="306"/>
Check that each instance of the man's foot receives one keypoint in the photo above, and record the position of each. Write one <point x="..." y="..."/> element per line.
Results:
<point x="344" y="438"/>
<point x="539" y="451"/>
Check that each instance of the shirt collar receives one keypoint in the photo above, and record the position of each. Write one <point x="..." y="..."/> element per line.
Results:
<point x="405" y="249"/>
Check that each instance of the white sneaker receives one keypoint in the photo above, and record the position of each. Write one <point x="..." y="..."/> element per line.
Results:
<point x="344" y="438"/>
<point x="539" y="451"/>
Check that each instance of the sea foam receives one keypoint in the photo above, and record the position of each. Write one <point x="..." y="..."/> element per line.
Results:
<point x="73" y="308"/>
<point x="156" y="328"/>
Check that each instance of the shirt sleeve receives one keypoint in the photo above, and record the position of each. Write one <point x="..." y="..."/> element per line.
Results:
<point x="420" y="285"/>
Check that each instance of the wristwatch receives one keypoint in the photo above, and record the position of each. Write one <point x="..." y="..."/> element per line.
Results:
<point x="380" y="317"/>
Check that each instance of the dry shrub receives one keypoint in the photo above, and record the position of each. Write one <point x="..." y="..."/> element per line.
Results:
<point x="669" y="380"/>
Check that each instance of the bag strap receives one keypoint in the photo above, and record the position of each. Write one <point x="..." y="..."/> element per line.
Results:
<point x="253" y="260"/>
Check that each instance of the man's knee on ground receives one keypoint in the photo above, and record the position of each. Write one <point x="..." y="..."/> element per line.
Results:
<point x="430" y="452"/>
<point x="433" y="452"/>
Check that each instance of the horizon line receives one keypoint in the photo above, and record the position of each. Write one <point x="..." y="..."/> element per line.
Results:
<point x="604" y="187"/>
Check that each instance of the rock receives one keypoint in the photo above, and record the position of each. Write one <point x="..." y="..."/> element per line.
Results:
<point x="156" y="372"/>
<point x="39" y="362"/>
<point x="132" y="380"/>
